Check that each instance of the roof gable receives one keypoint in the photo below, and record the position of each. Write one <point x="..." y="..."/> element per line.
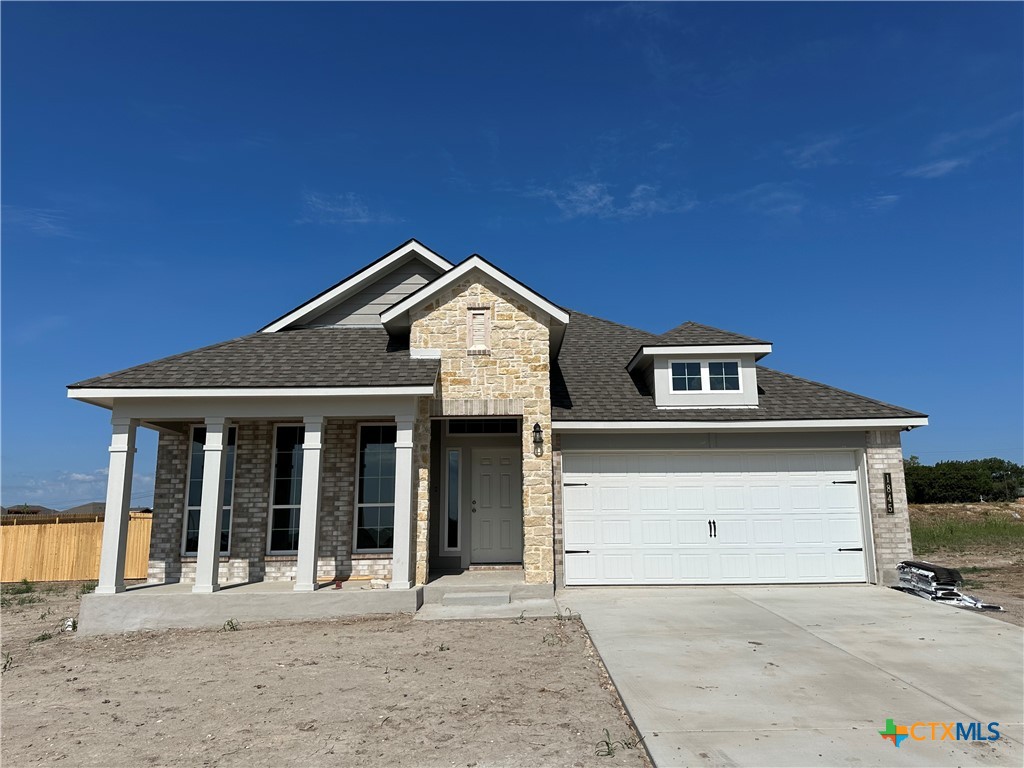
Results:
<point x="398" y="315"/>
<point x="691" y="334"/>
<point x="359" y="282"/>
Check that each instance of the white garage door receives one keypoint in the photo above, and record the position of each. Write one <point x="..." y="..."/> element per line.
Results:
<point x="712" y="518"/>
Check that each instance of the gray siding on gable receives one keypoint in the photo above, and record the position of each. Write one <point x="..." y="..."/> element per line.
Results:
<point x="364" y="308"/>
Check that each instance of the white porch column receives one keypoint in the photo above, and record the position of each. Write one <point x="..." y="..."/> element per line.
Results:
<point x="309" y="504"/>
<point x="119" y="495"/>
<point x="403" y="563"/>
<point x="211" y="508"/>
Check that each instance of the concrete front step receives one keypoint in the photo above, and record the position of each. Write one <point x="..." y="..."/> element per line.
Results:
<point x="516" y="610"/>
<point x="476" y="597"/>
<point x="511" y="583"/>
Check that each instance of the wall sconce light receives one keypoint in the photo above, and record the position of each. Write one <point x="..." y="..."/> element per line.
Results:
<point x="538" y="441"/>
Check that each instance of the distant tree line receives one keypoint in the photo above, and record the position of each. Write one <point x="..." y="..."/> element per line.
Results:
<point x="950" y="482"/>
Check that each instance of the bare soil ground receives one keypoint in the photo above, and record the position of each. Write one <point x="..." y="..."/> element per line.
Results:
<point x="992" y="571"/>
<point x="380" y="691"/>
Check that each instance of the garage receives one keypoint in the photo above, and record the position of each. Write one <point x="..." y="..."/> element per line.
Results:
<point x="758" y="517"/>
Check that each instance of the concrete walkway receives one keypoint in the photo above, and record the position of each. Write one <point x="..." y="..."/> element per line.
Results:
<point x="805" y="676"/>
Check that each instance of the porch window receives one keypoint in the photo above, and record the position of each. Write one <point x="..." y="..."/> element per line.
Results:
<point x="375" y="495"/>
<point x="454" y="493"/>
<point x="197" y="459"/>
<point x="286" y="489"/>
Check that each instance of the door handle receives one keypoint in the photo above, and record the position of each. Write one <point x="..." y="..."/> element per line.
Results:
<point x="844" y="482"/>
<point x="850" y="549"/>
<point x="710" y="534"/>
<point x="577" y="551"/>
<point x="714" y="528"/>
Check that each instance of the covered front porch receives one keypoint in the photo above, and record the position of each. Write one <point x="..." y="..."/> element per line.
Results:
<point x="272" y="490"/>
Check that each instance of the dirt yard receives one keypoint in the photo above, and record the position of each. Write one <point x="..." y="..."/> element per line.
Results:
<point x="992" y="567"/>
<point x="386" y="691"/>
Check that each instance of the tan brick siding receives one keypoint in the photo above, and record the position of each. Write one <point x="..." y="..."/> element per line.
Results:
<point x="891" y="532"/>
<point x="248" y="560"/>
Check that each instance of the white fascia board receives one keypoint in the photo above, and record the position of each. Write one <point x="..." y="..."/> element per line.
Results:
<point x="189" y="393"/>
<point x="700" y="350"/>
<point x="708" y="349"/>
<point x="792" y="425"/>
<point x="474" y="262"/>
<point x="357" y="281"/>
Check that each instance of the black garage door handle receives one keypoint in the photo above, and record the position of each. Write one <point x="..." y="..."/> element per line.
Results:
<point x="577" y="551"/>
<point x="851" y="549"/>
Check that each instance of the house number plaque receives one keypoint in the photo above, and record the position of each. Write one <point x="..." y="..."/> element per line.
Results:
<point x="890" y="509"/>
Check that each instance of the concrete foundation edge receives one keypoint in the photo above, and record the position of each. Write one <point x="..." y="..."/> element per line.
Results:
<point x="135" y="611"/>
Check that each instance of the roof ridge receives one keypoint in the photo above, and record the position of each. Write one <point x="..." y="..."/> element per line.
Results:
<point x="843" y="391"/>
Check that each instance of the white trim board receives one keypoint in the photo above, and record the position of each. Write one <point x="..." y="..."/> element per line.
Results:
<point x="90" y="393"/>
<point x="792" y="425"/>
<point x="699" y="351"/>
<point x="347" y="287"/>
<point x="425" y="293"/>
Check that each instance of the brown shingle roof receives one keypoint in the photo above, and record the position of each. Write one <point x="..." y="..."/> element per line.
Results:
<point x="589" y="382"/>
<point x="309" y="357"/>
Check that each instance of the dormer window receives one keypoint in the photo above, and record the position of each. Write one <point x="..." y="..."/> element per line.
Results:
<point x="724" y="376"/>
<point x="479" y="330"/>
<point x="686" y="377"/>
<point x="704" y="377"/>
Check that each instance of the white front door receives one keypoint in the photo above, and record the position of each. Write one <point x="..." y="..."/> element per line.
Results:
<point x="713" y="518"/>
<point x="496" y="506"/>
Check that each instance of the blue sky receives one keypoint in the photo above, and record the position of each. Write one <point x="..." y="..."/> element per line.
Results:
<point x="844" y="180"/>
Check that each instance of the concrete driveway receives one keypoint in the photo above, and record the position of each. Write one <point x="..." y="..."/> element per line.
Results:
<point x="806" y="676"/>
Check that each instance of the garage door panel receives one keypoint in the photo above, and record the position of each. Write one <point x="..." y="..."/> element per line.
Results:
<point x="770" y="566"/>
<point x="780" y="517"/>
<point x="765" y="497"/>
<point x="688" y="499"/>
<point x="731" y="531"/>
<point x="692" y="531"/>
<point x="805" y="497"/>
<point x="653" y="498"/>
<point x="656" y="532"/>
<point x="769" y="531"/>
<point x="729" y="498"/>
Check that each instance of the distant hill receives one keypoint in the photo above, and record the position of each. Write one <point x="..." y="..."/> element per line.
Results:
<point x="92" y="508"/>
<point x="28" y="509"/>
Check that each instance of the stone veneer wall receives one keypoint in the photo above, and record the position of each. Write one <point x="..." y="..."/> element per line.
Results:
<point x="559" y="518"/>
<point x="516" y="367"/>
<point x="891" y="532"/>
<point x="421" y="489"/>
<point x="248" y="560"/>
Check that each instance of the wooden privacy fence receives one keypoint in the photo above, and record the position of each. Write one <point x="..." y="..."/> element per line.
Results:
<point x="62" y="549"/>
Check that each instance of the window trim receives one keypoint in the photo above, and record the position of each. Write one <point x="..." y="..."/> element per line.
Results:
<point x="447" y="499"/>
<point x="705" y="378"/>
<point x="273" y="482"/>
<point x="739" y="376"/>
<point x="355" y="491"/>
<point x="230" y="507"/>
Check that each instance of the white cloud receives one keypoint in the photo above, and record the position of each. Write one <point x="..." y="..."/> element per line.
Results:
<point x="816" y="153"/>
<point x="881" y="202"/>
<point x="62" y="490"/>
<point x="772" y="198"/>
<point x="345" y="208"/>
<point x="949" y="140"/>
<point x="45" y="222"/>
<point x="938" y="168"/>
<point x="596" y="199"/>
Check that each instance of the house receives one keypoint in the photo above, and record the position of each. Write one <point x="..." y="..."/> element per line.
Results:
<point x="423" y="417"/>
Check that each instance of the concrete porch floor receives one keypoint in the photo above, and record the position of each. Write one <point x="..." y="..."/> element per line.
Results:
<point x="169" y="606"/>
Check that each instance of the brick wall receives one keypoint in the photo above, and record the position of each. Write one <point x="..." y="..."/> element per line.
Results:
<point x="248" y="560"/>
<point x="891" y="532"/>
